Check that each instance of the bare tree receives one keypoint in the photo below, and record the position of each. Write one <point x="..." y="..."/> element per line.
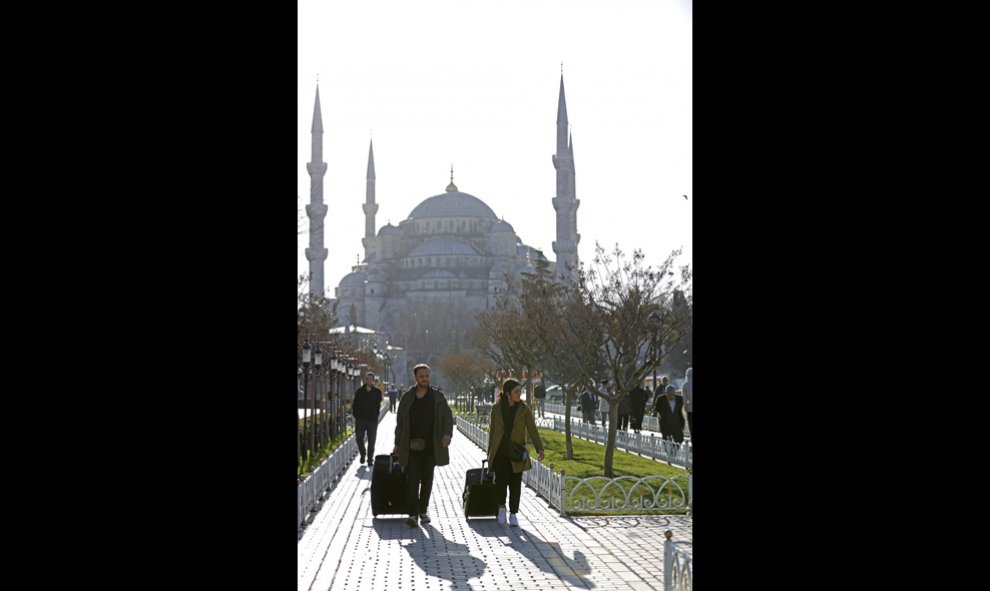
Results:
<point x="630" y="306"/>
<point x="505" y="337"/>
<point x="464" y="370"/>
<point x="432" y="328"/>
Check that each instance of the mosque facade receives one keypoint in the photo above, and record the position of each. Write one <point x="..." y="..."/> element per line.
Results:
<point x="452" y="248"/>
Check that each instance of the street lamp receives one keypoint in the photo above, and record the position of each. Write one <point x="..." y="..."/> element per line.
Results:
<point x="306" y="360"/>
<point x="317" y="365"/>
<point x="335" y="385"/>
<point x="655" y="318"/>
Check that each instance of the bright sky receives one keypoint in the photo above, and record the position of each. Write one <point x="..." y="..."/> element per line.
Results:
<point x="475" y="84"/>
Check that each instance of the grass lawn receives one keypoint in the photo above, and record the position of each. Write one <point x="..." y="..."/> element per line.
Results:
<point x="313" y="461"/>
<point x="588" y="498"/>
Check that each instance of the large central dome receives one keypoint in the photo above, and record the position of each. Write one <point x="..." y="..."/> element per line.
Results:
<point x="453" y="204"/>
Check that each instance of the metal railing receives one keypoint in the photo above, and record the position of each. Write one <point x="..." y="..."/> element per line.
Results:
<point x="651" y="446"/>
<point x="569" y="494"/>
<point x="650" y="422"/>
<point x="676" y="565"/>
<point x="311" y="492"/>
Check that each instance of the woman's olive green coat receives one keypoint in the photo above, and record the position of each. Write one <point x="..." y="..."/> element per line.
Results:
<point x="521" y="425"/>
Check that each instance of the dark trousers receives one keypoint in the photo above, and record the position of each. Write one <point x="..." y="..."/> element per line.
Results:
<point x="371" y="428"/>
<point x="419" y="470"/>
<point x="691" y="424"/>
<point x="624" y="422"/>
<point x="539" y="406"/>
<point x="505" y="477"/>
<point x="637" y="421"/>
<point x="391" y="403"/>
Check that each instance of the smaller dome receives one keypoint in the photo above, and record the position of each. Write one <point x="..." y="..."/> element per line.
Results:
<point x="502" y="226"/>
<point x="388" y="229"/>
<point x="355" y="279"/>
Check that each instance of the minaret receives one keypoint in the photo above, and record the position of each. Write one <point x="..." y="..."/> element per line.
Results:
<point x="370" y="207"/>
<point x="316" y="210"/>
<point x="566" y="202"/>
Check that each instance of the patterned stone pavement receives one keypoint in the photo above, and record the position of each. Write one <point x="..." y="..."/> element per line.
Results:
<point x="346" y="548"/>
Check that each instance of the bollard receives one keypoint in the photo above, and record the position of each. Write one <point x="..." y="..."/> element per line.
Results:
<point x="668" y="561"/>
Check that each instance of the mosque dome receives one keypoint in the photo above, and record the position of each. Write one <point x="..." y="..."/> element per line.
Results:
<point x="388" y="229"/>
<point x="502" y="226"/>
<point x="452" y="204"/>
<point x="355" y="279"/>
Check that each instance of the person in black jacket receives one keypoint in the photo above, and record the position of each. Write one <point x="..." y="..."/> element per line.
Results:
<point x="540" y="393"/>
<point x="365" y="408"/>
<point x="670" y="411"/>
<point x="638" y="398"/>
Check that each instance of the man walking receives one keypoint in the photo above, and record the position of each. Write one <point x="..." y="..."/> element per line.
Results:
<point x="424" y="425"/>
<point x="638" y="398"/>
<point x="393" y="394"/>
<point x="687" y="392"/>
<point x="365" y="408"/>
<point x="669" y="409"/>
<point x="540" y="393"/>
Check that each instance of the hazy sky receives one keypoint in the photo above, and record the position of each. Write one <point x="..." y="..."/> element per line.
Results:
<point x="475" y="84"/>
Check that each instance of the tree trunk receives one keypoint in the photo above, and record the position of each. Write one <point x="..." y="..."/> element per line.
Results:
<point x="568" y="402"/>
<point x="613" y="415"/>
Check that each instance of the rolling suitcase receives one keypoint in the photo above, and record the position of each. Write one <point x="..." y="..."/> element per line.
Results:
<point x="479" y="493"/>
<point x="388" y="487"/>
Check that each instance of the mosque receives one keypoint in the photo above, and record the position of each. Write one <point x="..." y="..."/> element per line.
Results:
<point x="452" y="248"/>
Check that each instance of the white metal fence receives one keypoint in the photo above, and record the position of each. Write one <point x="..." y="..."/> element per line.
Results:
<point x="597" y="494"/>
<point x="650" y="423"/>
<point x="312" y="491"/>
<point x="650" y="445"/>
<point x="676" y="565"/>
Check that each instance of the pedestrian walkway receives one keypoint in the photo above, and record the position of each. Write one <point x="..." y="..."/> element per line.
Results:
<point x="346" y="548"/>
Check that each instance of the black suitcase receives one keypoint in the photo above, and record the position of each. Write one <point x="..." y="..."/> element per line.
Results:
<point x="479" y="493"/>
<point x="388" y="487"/>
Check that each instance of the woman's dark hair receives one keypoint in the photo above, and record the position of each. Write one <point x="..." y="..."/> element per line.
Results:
<point x="507" y="387"/>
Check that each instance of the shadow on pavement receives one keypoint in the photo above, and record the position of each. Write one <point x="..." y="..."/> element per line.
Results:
<point x="528" y="544"/>
<point x="434" y="554"/>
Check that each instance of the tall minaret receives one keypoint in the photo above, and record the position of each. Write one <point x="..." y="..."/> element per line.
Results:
<point x="316" y="210"/>
<point x="370" y="207"/>
<point x="566" y="202"/>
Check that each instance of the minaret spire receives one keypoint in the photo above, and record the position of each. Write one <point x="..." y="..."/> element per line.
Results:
<point x="316" y="210"/>
<point x="561" y="115"/>
<point x="566" y="202"/>
<point x="451" y="187"/>
<point x="370" y="207"/>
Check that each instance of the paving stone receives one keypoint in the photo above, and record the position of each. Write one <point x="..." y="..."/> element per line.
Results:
<point x="346" y="548"/>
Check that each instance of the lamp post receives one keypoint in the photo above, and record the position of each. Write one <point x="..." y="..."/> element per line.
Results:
<point x="655" y="319"/>
<point x="317" y="365"/>
<point x="298" y="375"/>
<point x="352" y="370"/>
<point x="334" y="372"/>
<point x="341" y="366"/>
<point x="306" y="359"/>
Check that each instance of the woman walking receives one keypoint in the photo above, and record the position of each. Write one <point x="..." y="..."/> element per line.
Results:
<point x="511" y="420"/>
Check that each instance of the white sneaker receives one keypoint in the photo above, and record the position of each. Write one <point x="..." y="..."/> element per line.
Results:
<point x="501" y="516"/>
<point x="513" y="522"/>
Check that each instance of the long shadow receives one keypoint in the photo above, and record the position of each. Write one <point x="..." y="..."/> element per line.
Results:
<point x="433" y="553"/>
<point x="527" y="544"/>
